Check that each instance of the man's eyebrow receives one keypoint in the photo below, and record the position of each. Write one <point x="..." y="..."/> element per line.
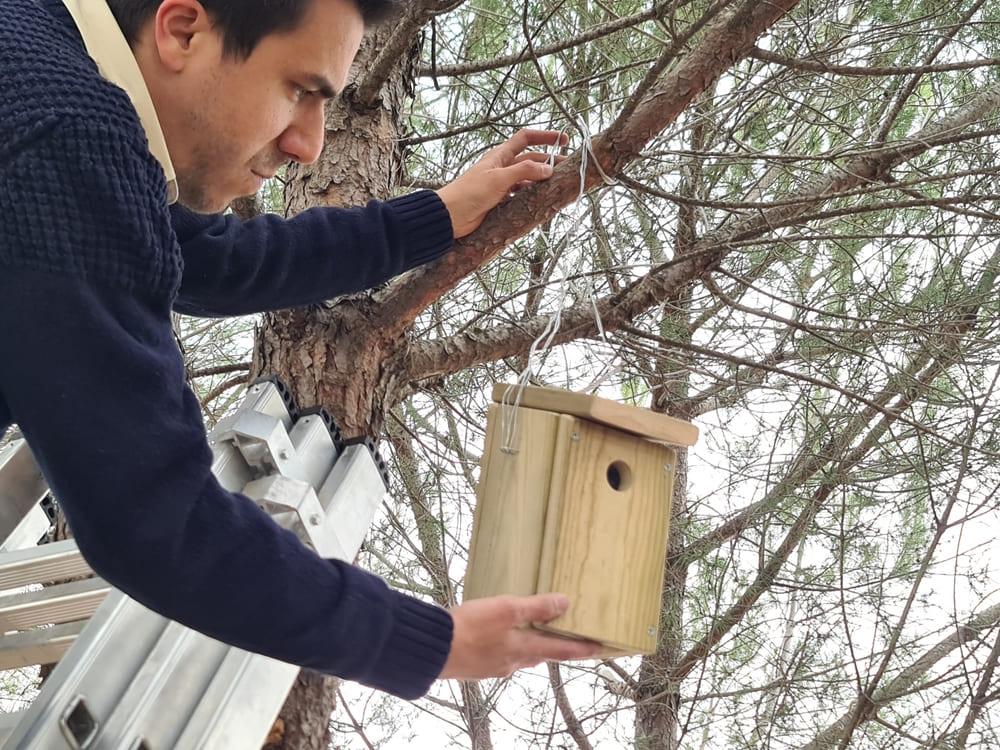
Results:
<point x="322" y="84"/>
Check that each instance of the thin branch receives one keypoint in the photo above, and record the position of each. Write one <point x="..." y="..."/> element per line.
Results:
<point x="358" y="729"/>
<point x="903" y="683"/>
<point x="719" y="47"/>
<point x="590" y="35"/>
<point x="981" y="698"/>
<point x="223" y="387"/>
<point x="817" y="66"/>
<point x="573" y="725"/>
<point x="435" y="358"/>
<point x="205" y="372"/>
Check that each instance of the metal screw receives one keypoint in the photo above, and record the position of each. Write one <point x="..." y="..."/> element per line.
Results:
<point x="283" y="454"/>
<point x="668" y="468"/>
<point x="651" y="631"/>
<point x="314" y="519"/>
<point x="575" y="436"/>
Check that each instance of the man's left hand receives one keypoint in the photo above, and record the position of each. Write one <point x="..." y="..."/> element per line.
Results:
<point x="504" y="170"/>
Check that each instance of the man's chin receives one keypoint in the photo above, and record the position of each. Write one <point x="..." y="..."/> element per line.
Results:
<point x="203" y="206"/>
<point x="203" y="200"/>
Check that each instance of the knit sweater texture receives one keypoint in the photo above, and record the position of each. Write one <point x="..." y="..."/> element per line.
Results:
<point x="92" y="263"/>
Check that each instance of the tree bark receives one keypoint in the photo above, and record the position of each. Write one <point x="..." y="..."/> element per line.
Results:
<point x="330" y="356"/>
<point x="658" y="700"/>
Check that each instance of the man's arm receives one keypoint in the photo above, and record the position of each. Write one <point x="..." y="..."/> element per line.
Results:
<point x="90" y="372"/>
<point x="94" y="380"/>
<point x="232" y="267"/>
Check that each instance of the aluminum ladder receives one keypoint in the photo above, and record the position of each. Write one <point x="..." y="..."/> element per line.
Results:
<point x="128" y="678"/>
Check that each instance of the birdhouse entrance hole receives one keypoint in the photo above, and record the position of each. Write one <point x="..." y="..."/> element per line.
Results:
<point x="619" y="476"/>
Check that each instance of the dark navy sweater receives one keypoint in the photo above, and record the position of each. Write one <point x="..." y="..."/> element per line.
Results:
<point x="92" y="261"/>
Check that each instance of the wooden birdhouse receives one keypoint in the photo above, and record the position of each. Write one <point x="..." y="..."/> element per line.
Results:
<point x="578" y="502"/>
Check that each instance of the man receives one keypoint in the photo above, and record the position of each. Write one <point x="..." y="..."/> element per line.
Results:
<point x="111" y="110"/>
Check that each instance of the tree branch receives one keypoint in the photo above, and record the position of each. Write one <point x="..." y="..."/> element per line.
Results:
<point x="903" y="683"/>
<point x="573" y="725"/>
<point x="816" y="66"/>
<point x="591" y="34"/>
<point x="416" y="15"/>
<point x="441" y="357"/>
<point x="720" y="46"/>
<point x="909" y="392"/>
<point x="220" y="370"/>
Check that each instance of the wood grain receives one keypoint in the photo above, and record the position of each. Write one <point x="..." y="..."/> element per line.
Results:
<point x="548" y="519"/>
<point x="607" y="547"/>
<point x="511" y="504"/>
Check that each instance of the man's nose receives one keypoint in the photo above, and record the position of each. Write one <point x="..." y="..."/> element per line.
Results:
<point x="302" y="141"/>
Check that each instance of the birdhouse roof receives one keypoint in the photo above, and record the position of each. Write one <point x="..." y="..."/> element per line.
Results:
<point x="633" y="419"/>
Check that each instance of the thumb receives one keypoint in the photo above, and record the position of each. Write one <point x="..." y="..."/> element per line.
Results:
<point x="541" y="608"/>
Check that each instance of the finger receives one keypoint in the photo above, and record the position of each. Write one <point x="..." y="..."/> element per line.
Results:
<point x="524" y="171"/>
<point x="533" y="156"/>
<point x="526" y="138"/>
<point x="540" y="608"/>
<point x="538" y="647"/>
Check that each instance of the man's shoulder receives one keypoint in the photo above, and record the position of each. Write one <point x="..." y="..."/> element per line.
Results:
<point x="80" y="194"/>
<point x="49" y="77"/>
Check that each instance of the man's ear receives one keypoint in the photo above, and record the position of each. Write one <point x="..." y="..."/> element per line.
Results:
<point x="182" y="31"/>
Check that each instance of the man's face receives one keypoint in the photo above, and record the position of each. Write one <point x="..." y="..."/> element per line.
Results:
<point x="230" y="124"/>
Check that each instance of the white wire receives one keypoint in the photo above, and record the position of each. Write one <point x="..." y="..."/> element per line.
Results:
<point x="510" y="403"/>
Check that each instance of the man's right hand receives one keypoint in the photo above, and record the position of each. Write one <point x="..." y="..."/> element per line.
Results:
<point x="491" y="637"/>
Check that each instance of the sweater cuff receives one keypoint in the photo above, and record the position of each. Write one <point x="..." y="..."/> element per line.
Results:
<point x="415" y="652"/>
<point x="425" y="224"/>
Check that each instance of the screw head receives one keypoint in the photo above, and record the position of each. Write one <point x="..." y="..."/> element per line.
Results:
<point x="651" y="631"/>
<point x="283" y="454"/>
<point x="668" y="468"/>
<point x="314" y="519"/>
<point x="575" y="436"/>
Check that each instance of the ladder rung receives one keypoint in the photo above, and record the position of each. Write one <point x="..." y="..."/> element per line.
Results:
<point x="63" y="602"/>
<point x="40" y="646"/>
<point x="50" y="562"/>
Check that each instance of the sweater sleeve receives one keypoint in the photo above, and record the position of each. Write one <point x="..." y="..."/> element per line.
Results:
<point x="90" y="371"/>
<point x="235" y="267"/>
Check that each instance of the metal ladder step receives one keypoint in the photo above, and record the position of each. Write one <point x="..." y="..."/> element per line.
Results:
<point x="50" y="562"/>
<point x="7" y="723"/>
<point x="40" y="646"/>
<point x="38" y="626"/>
<point x="52" y="605"/>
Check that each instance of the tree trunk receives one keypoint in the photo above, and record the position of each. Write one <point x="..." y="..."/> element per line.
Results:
<point x="329" y="356"/>
<point x="658" y="700"/>
<point x="657" y="719"/>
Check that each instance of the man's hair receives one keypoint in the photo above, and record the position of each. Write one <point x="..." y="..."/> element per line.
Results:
<point x="244" y="23"/>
